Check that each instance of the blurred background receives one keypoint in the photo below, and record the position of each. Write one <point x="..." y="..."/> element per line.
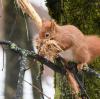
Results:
<point x="20" y="29"/>
<point x="16" y="31"/>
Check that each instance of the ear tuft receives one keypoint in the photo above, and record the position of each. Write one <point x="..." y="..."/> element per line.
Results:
<point x="49" y="24"/>
<point x="43" y="20"/>
<point x="53" y="24"/>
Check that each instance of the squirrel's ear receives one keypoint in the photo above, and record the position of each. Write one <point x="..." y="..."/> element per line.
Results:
<point x="43" y="20"/>
<point x="53" y="25"/>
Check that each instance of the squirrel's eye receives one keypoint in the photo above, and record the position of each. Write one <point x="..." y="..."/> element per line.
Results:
<point x="47" y="34"/>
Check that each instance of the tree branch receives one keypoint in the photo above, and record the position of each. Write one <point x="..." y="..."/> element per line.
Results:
<point x="60" y="69"/>
<point x="43" y="60"/>
<point x="32" y="54"/>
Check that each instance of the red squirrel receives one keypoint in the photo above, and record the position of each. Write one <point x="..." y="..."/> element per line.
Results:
<point x="77" y="47"/>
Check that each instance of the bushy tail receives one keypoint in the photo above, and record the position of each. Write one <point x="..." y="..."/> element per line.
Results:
<point x="93" y="44"/>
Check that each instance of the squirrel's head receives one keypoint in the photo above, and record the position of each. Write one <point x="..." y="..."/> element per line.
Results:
<point x="48" y="29"/>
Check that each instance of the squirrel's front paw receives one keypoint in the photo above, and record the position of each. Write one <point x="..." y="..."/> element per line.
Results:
<point x="82" y="66"/>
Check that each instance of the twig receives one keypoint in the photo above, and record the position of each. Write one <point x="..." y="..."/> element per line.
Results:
<point x="90" y="71"/>
<point x="37" y="89"/>
<point x="72" y="67"/>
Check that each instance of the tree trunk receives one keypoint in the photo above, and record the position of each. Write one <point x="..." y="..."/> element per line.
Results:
<point x="15" y="31"/>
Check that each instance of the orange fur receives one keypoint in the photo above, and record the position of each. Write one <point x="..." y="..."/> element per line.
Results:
<point x="93" y="43"/>
<point x="79" y="47"/>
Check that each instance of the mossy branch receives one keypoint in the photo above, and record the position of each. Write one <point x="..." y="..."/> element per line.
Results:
<point x="32" y="54"/>
<point x="56" y="68"/>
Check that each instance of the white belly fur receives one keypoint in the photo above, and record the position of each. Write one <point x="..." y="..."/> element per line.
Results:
<point x="67" y="55"/>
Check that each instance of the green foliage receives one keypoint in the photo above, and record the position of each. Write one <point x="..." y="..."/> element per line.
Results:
<point x="92" y="83"/>
<point x="85" y="14"/>
<point x="62" y="88"/>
